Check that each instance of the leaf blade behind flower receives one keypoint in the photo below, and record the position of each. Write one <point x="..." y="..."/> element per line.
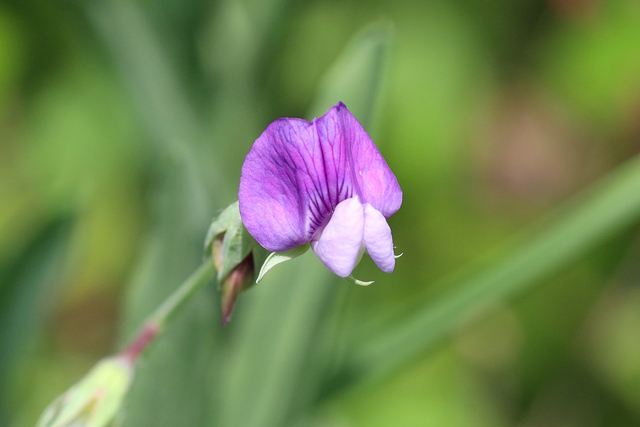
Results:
<point x="357" y="76"/>
<point x="607" y="208"/>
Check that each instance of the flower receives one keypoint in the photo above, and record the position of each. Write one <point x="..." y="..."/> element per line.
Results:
<point x="322" y="182"/>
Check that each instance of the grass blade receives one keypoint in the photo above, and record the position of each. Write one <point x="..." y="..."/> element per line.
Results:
<point x="611" y="206"/>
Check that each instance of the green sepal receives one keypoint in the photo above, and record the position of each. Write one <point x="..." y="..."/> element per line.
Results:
<point x="276" y="258"/>
<point x="220" y="224"/>
<point x="237" y="243"/>
<point x="352" y="279"/>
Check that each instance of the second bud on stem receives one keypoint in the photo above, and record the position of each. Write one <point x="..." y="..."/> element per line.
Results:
<point x="234" y="254"/>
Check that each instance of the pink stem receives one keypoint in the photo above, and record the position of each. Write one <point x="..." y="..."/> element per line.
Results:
<point x="137" y="347"/>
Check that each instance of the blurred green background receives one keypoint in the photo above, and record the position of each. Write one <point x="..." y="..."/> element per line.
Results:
<point x="124" y="125"/>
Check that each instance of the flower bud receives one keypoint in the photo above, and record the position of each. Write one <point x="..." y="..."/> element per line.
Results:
<point x="234" y="254"/>
<point x="239" y="280"/>
<point x="95" y="400"/>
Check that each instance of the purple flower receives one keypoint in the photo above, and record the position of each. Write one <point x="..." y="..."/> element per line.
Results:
<point x="322" y="182"/>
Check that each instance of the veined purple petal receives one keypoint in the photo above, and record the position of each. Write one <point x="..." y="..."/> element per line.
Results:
<point x="371" y="177"/>
<point x="277" y="189"/>
<point x="378" y="240"/>
<point x="297" y="173"/>
<point x="338" y="243"/>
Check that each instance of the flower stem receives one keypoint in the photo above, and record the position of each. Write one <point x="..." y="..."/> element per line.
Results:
<point x="158" y="320"/>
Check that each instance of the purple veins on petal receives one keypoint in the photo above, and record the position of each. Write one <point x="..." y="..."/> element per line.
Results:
<point x="297" y="174"/>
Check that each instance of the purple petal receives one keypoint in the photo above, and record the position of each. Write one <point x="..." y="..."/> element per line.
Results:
<point x="297" y="173"/>
<point x="338" y="244"/>
<point x="276" y="189"/>
<point x="373" y="180"/>
<point x="378" y="240"/>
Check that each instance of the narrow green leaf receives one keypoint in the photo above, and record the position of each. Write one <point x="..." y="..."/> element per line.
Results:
<point x="168" y="389"/>
<point x="611" y="206"/>
<point x="168" y="114"/>
<point x="28" y="292"/>
<point x="276" y="258"/>
<point x="170" y="378"/>
<point x="147" y="71"/>
<point x="357" y="76"/>
<point x="268" y="375"/>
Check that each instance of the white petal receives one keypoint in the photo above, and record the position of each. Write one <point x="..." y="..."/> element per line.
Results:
<point x="338" y="243"/>
<point x="378" y="240"/>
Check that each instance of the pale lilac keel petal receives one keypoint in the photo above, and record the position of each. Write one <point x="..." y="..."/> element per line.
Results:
<point x="338" y="243"/>
<point x="378" y="240"/>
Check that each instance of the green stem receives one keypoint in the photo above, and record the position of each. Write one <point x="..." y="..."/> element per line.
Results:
<point x="172" y="305"/>
<point x="155" y="323"/>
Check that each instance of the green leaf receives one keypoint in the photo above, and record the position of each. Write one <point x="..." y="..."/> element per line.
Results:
<point x="276" y="258"/>
<point x="610" y="206"/>
<point x="270" y="374"/>
<point x="170" y="379"/>
<point x="28" y="294"/>
<point x="169" y="384"/>
<point x="168" y="114"/>
<point x="357" y="76"/>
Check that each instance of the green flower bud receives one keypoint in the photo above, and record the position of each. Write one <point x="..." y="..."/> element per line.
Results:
<point x="95" y="400"/>
<point x="234" y="254"/>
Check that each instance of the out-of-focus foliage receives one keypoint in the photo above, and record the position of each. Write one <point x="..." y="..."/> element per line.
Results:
<point x="123" y="128"/>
